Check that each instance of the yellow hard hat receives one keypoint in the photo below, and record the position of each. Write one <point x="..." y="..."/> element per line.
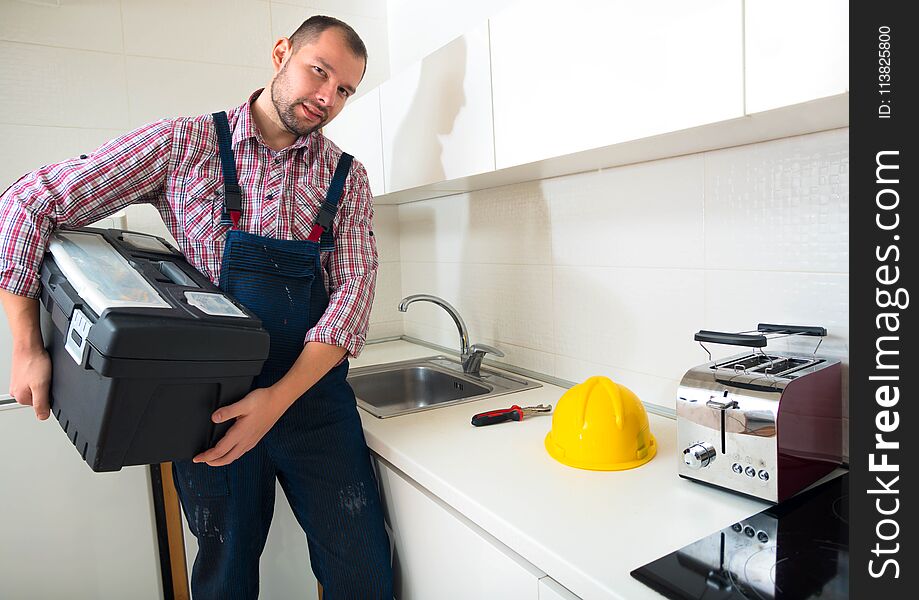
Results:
<point x="600" y="425"/>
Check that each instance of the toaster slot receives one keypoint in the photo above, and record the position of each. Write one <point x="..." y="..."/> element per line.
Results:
<point x="746" y="363"/>
<point x="783" y="366"/>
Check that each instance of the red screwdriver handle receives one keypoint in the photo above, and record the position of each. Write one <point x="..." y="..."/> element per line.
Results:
<point x="514" y="413"/>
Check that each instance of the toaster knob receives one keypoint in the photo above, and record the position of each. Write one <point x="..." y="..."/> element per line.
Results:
<point x="699" y="455"/>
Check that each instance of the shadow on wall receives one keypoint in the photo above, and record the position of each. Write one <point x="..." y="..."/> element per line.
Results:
<point x="439" y="97"/>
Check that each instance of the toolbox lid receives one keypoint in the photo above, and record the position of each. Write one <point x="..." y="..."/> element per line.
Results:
<point x="99" y="274"/>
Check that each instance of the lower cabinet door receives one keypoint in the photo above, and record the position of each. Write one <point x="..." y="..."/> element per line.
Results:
<point x="65" y="531"/>
<point x="438" y="553"/>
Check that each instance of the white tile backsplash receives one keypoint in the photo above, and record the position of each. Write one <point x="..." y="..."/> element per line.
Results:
<point x="63" y="23"/>
<point x="388" y="293"/>
<point x="506" y="225"/>
<point x="433" y="230"/>
<point x="60" y="87"/>
<point x="384" y="330"/>
<point x="636" y="319"/>
<point x="228" y="32"/>
<point x="650" y="389"/>
<point x="644" y="215"/>
<point x="194" y="88"/>
<point x="780" y="205"/>
<point x="386" y="232"/>
<point x="499" y="302"/>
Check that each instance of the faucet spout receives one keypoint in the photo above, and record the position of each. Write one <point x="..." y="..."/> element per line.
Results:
<point x="460" y="324"/>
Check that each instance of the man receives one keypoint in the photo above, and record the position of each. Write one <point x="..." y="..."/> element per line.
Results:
<point x="299" y="424"/>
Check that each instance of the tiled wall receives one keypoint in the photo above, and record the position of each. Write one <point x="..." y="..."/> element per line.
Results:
<point x="612" y="272"/>
<point x="385" y="319"/>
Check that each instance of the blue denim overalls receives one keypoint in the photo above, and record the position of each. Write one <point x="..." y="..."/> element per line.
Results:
<point x="316" y="450"/>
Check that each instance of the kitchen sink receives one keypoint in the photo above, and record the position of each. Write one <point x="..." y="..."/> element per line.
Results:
<point x="410" y="386"/>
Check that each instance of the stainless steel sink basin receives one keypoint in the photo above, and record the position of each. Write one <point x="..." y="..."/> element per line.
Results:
<point x="410" y="386"/>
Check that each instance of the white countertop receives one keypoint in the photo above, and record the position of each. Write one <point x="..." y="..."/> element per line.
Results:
<point x="585" y="529"/>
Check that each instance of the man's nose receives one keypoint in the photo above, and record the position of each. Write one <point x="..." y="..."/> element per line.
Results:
<point x="325" y="95"/>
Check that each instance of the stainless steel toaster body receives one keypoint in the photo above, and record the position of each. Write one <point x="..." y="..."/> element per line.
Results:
<point x="761" y="424"/>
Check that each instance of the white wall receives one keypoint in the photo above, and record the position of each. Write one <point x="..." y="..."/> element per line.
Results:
<point x="611" y="272"/>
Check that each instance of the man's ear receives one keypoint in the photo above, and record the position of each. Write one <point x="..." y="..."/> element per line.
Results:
<point x="282" y="51"/>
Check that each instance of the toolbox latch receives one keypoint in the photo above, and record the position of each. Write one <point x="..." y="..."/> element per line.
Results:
<point x="76" y="335"/>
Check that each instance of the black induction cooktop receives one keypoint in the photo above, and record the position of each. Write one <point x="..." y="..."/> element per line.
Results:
<point x="796" y="550"/>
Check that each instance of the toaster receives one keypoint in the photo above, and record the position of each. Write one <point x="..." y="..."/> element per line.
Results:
<point x="761" y="423"/>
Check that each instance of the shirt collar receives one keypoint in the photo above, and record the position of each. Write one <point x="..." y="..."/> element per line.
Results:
<point x="245" y="126"/>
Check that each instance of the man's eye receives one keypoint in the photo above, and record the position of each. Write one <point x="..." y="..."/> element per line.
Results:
<point x="343" y="92"/>
<point x="319" y="70"/>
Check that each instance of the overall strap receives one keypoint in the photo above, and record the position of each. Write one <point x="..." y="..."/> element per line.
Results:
<point x="232" y="194"/>
<point x="327" y="212"/>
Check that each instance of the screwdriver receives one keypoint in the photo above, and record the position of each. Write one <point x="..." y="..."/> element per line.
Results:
<point x="514" y="413"/>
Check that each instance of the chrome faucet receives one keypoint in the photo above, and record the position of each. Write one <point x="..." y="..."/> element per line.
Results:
<point x="471" y="356"/>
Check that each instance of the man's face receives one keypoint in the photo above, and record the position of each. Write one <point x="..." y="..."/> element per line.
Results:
<point x="313" y="84"/>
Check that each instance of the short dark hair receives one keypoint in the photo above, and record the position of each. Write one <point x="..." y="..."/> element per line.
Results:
<point x="313" y="27"/>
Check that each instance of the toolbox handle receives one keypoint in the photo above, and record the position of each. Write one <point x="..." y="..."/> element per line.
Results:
<point x="731" y="339"/>
<point x="792" y="329"/>
<point x="175" y="274"/>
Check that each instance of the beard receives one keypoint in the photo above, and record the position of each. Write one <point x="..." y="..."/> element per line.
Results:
<point x="288" y="109"/>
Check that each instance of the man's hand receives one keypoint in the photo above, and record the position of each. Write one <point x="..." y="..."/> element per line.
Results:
<point x="261" y="408"/>
<point x="30" y="377"/>
<point x="30" y="380"/>
<point x="255" y="414"/>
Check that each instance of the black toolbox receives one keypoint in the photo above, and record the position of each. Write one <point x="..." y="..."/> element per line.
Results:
<point x="143" y="347"/>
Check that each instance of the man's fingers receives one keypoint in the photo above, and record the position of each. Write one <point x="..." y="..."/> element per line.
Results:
<point x="226" y="443"/>
<point x="40" y="402"/>
<point x="229" y="457"/>
<point x="23" y="396"/>
<point x="230" y="411"/>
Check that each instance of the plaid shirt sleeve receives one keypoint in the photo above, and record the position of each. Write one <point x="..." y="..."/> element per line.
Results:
<point x="352" y="270"/>
<point x="76" y="192"/>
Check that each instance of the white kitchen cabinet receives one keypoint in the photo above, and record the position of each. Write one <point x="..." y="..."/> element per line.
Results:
<point x="591" y="73"/>
<point x="356" y="130"/>
<point x="549" y="589"/>
<point x="440" y="554"/>
<point x="437" y="117"/>
<point x="65" y="531"/>
<point x="795" y="51"/>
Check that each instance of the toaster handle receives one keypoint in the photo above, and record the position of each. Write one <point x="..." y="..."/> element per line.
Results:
<point x="792" y="329"/>
<point x="731" y="339"/>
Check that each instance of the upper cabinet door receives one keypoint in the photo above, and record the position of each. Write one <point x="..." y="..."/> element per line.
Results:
<point x="356" y="130"/>
<point x="585" y="74"/>
<point x="796" y="51"/>
<point x="437" y="120"/>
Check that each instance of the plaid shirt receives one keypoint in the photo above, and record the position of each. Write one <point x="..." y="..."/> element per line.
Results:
<point x="174" y="165"/>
